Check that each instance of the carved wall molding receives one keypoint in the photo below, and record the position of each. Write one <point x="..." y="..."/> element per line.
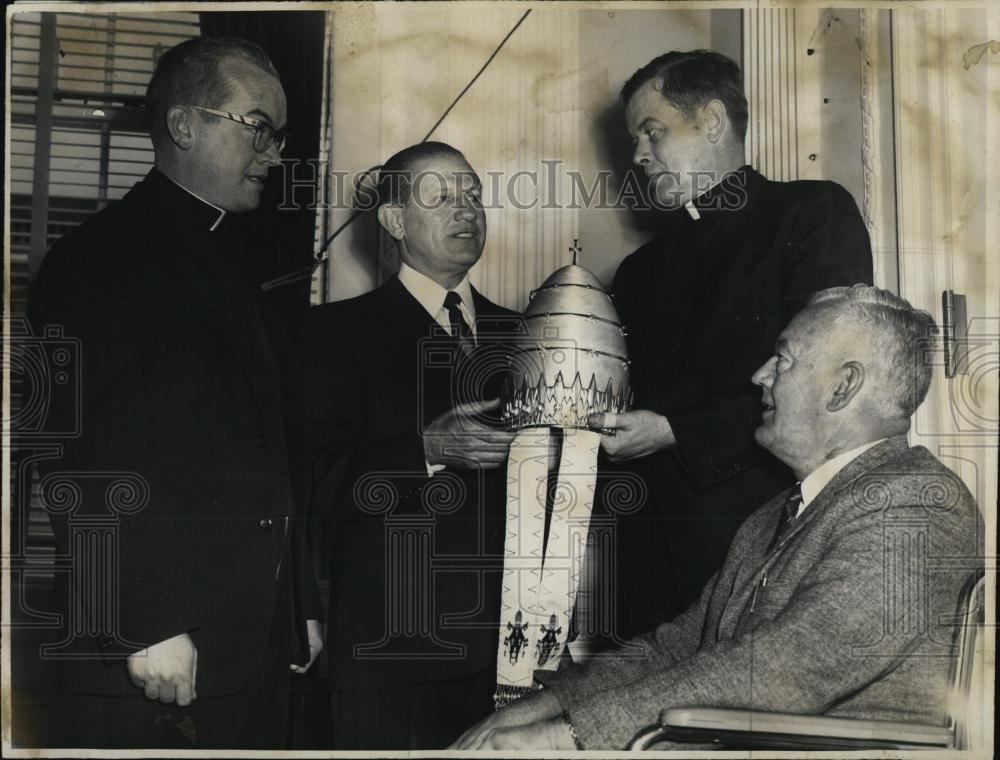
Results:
<point x="781" y="73"/>
<point x="877" y="159"/>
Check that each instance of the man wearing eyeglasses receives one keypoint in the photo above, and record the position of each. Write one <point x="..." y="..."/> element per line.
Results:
<point x="188" y="393"/>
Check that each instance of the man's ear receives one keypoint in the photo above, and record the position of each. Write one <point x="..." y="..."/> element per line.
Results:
<point x="714" y="120"/>
<point x="852" y="377"/>
<point x="180" y="127"/>
<point x="390" y="216"/>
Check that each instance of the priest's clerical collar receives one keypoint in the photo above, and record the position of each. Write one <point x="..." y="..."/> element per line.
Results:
<point x="716" y="197"/>
<point x="692" y="211"/>
<point x="216" y="218"/>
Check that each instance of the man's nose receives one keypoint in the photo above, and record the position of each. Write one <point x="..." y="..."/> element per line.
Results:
<point x="765" y="373"/>
<point x="271" y="156"/>
<point x="640" y="156"/>
<point x="465" y="211"/>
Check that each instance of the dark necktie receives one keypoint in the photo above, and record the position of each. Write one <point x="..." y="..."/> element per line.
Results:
<point x="789" y="510"/>
<point x="459" y="328"/>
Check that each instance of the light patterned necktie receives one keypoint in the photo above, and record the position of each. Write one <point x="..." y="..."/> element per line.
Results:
<point x="459" y="327"/>
<point x="788" y="512"/>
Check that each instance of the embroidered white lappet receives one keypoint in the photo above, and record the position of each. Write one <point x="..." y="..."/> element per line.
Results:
<point x="573" y="363"/>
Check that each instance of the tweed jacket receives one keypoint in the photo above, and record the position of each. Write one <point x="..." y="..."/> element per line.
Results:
<point x="847" y="615"/>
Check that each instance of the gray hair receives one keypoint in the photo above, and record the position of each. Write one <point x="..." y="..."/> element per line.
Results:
<point x="902" y="334"/>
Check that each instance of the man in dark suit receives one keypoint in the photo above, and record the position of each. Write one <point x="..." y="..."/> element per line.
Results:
<point x="824" y="604"/>
<point x="187" y="399"/>
<point x="406" y="449"/>
<point x="703" y="303"/>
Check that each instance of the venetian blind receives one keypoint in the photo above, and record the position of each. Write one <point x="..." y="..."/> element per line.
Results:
<point x="78" y="137"/>
<point x="77" y="142"/>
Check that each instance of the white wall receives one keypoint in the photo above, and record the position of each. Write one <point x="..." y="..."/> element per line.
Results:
<point x="397" y="67"/>
<point x="551" y="95"/>
<point x="613" y="44"/>
<point x="947" y="114"/>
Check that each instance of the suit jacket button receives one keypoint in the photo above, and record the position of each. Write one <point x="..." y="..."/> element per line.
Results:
<point x="105" y="643"/>
<point x="262" y="440"/>
<point x="265" y="523"/>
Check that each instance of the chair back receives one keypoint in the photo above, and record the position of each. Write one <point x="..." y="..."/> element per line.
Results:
<point x="967" y="703"/>
<point x="968" y="709"/>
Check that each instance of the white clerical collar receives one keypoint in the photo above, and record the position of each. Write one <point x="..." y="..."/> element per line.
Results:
<point x="431" y="295"/>
<point x="817" y="479"/>
<point x="222" y="212"/>
<point x="692" y="209"/>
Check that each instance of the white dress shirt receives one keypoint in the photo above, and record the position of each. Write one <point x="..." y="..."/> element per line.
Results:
<point x="431" y="296"/>
<point x="816" y="480"/>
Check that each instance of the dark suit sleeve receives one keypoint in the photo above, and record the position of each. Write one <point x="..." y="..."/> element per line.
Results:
<point x="95" y="295"/>
<point x="307" y="604"/>
<point x="828" y="246"/>
<point x="334" y="417"/>
<point x="312" y="605"/>
<point x="347" y="464"/>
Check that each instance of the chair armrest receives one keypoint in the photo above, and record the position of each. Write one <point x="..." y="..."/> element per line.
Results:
<point x="754" y="728"/>
<point x="747" y="729"/>
<point x="646" y="738"/>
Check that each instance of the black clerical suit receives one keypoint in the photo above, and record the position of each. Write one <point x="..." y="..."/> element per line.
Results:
<point x="703" y="305"/>
<point x="187" y="394"/>
<point x="415" y="559"/>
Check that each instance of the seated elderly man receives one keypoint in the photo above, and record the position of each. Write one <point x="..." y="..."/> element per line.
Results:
<point x="821" y="606"/>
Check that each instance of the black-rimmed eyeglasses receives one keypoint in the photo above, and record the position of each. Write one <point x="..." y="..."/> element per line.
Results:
<point x="264" y="135"/>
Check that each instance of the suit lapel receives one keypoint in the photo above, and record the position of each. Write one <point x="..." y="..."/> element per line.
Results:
<point x="869" y="460"/>
<point x="757" y="558"/>
<point x="875" y="457"/>
<point x="408" y="340"/>
<point x="400" y="321"/>
<point x="857" y="468"/>
<point x="403" y="315"/>
<point x="753" y="561"/>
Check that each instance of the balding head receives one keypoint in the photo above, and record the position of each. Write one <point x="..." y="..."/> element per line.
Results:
<point x="195" y="72"/>
<point x="431" y="204"/>
<point x="217" y="117"/>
